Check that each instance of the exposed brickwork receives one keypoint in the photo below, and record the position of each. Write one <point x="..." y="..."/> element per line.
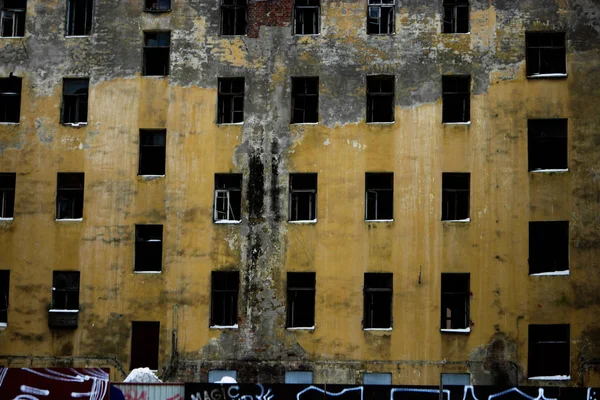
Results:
<point x="268" y="13"/>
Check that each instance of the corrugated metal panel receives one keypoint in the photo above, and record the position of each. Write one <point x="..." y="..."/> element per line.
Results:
<point x="141" y="391"/>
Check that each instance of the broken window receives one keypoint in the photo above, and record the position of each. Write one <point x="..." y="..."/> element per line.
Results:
<point x="548" y="247"/>
<point x="380" y="99"/>
<point x="234" y="17"/>
<point x="379" y="196"/>
<point x="10" y="99"/>
<point x="79" y="17"/>
<point x="299" y="377"/>
<point x="75" y="100"/>
<point x="12" y="18"/>
<point x="224" y="298"/>
<point x="303" y="197"/>
<point x="228" y="198"/>
<point x="546" y="53"/>
<point x="65" y="290"/>
<point x="145" y="339"/>
<point x="549" y="354"/>
<point x="378" y="301"/>
<point x="7" y="194"/>
<point x="4" y="288"/>
<point x="152" y="151"/>
<point x="547" y="144"/>
<point x="380" y="16"/>
<point x="69" y="195"/>
<point x="301" y="299"/>
<point x="157" y="5"/>
<point x="456" y="99"/>
<point x="157" y="46"/>
<point x="148" y="248"/>
<point x="456" y="16"/>
<point x="377" y="379"/>
<point x="455" y="196"/>
<point x="231" y="100"/>
<point x="306" y="17"/>
<point x="455" y="301"/>
<point x="305" y="100"/>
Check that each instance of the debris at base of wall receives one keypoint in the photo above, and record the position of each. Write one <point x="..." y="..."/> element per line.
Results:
<point x="144" y="375"/>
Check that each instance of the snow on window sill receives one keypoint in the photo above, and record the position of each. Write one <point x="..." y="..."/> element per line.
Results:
<point x="229" y="123"/>
<point x="552" y="273"/>
<point x="76" y="36"/>
<point x="75" y="124"/>
<point x="55" y="310"/>
<point x="381" y="123"/>
<point x="541" y="76"/>
<point x="304" y="221"/>
<point x="551" y="378"/>
<point x="463" y="330"/>
<point x="12" y="37"/>
<point x="147" y="272"/>
<point x="150" y="11"/>
<point x="379" y="220"/>
<point x="301" y="328"/>
<point x="457" y="123"/>
<point x="151" y="177"/>
<point x="224" y="326"/>
<point x="547" y="171"/>
<point x="3" y="325"/>
<point x="378" y="329"/>
<point x="304" y="123"/>
<point x="9" y="123"/>
<point x="7" y="219"/>
<point x="446" y="34"/>
<point x="69" y="219"/>
<point x="226" y="221"/>
<point x="460" y="221"/>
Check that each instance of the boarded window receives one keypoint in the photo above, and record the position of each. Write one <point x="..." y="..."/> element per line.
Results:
<point x="456" y="99"/>
<point x="549" y="354"/>
<point x="157" y="5"/>
<point x="303" y="197"/>
<point x="306" y="17"/>
<point x="4" y="289"/>
<point x="377" y="301"/>
<point x="228" y="197"/>
<point x="380" y="99"/>
<point x="456" y="16"/>
<point x="7" y="194"/>
<point x="152" y="151"/>
<point x="299" y="377"/>
<point x="301" y="299"/>
<point x="75" y="100"/>
<point x="65" y="290"/>
<point x="10" y="99"/>
<point x="145" y="339"/>
<point x="455" y="301"/>
<point x="224" y="298"/>
<point x="548" y="247"/>
<point x="546" y="53"/>
<point x="380" y="17"/>
<point x="12" y="18"/>
<point x="305" y="100"/>
<point x="377" y="379"/>
<point x="69" y="195"/>
<point x="148" y="248"/>
<point x="379" y="196"/>
<point x="157" y="47"/>
<point x="547" y="144"/>
<point x="231" y="101"/>
<point x="79" y="17"/>
<point x="456" y="189"/>
<point x="234" y="17"/>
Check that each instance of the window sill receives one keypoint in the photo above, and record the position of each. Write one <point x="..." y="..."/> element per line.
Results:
<point x="150" y="177"/>
<point x="300" y="328"/>
<point x="456" y="33"/>
<point x="306" y="34"/>
<point x="304" y="123"/>
<point x="69" y="219"/>
<point x="229" y="123"/>
<point x="233" y="36"/>
<point x="75" y="124"/>
<point x="381" y="34"/>
<point x="155" y="76"/>
<point x="553" y="273"/>
<point x="147" y="272"/>
<point x="9" y="123"/>
<point x="548" y="171"/>
<point x="378" y="329"/>
<point x="456" y="221"/>
<point x="56" y="310"/>
<point x="7" y="219"/>
<point x="381" y="123"/>
<point x="224" y="326"/>
<point x="544" y="76"/>
<point x="156" y="11"/>
<point x="307" y="221"/>
<point x="550" y="378"/>
<point x="12" y="37"/>
<point x="3" y="325"/>
<point x="463" y="330"/>
<point x="379" y="220"/>
<point x="457" y="123"/>
<point x="76" y="36"/>
<point x="226" y="222"/>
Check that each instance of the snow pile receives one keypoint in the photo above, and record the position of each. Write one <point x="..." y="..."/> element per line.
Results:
<point x="143" y="375"/>
<point x="227" y="379"/>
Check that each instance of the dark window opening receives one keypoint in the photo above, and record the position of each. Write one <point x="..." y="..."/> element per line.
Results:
<point x="456" y="16"/>
<point x="148" y="248"/>
<point x="549" y="353"/>
<point x="456" y="98"/>
<point x="145" y="341"/>
<point x="152" y="151"/>
<point x="456" y="294"/>
<point x="75" y="100"/>
<point x="234" y="17"/>
<point x="228" y="197"/>
<point x="548" y="246"/>
<point x="224" y="298"/>
<point x="231" y="100"/>
<point x="157" y="46"/>
<point x="65" y="290"/>
<point x="157" y="5"/>
<point x="380" y="17"/>
<point x="12" y="18"/>
<point x="303" y="197"/>
<point x="378" y="301"/>
<point x="379" y="196"/>
<point x="69" y="195"/>
<point x="300" y="299"/>
<point x="547" y="144"/>
<point x="79" y="17"/>
<point x="380" y="99"/>
<point x="306" y="17"/>
<point x="7" y="194"/>
<point x="456" y="188"/>
<point x="305" y="100"/>
<point x="4" y="288"/>
<point x="10" y="99"/>
<point x="546" y="53"/>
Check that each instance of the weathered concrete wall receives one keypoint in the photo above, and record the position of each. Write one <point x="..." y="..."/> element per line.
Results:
<point x="341" y="148"/>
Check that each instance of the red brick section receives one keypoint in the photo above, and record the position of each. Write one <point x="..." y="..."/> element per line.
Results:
<point x="268" y="13"/>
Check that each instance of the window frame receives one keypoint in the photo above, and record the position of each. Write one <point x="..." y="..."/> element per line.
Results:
<point x="148" y="236"/>
<point x="5" y="94"/>
<point x="294" y="295"/>
<point x="72" y="199"/>
<point x="18" y="20"/>
<point x="560" y="255"/>
<point x="369" y="294"/>
<point x="143" y="148"/>
<point x="455" y="5"/>
<point x="228" y="297"/>
<point x="307" y="98"/>
<point x="453" y="196"/>
<point x="78" y="99"/>
<point x="4" y="296"/>
<point x="465" y="97"/>
<point x="553" y="131"/>
<point x="7" y="195"/>
<point x="373" y="95"/>
<point x="380" y="4"/>
<point x="146" y="48"/>
<point x="233" y="8"/>
<point x="293" y="208"/>
<point x="375" y="192"/>
<point x="529" y="70"/>
<point x="538" y="369"/>
<point x="145" y="328"/>
<point x="227" y="191"/>
<point x="463" y="297"/>
<point x="230" y="97"/>
<point x="72" y="277"/>
<point x="70" y="25"/>
<point x="297" y="16"/>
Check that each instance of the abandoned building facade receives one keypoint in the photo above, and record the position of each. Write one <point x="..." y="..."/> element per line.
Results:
<point x="366" y="191"/>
